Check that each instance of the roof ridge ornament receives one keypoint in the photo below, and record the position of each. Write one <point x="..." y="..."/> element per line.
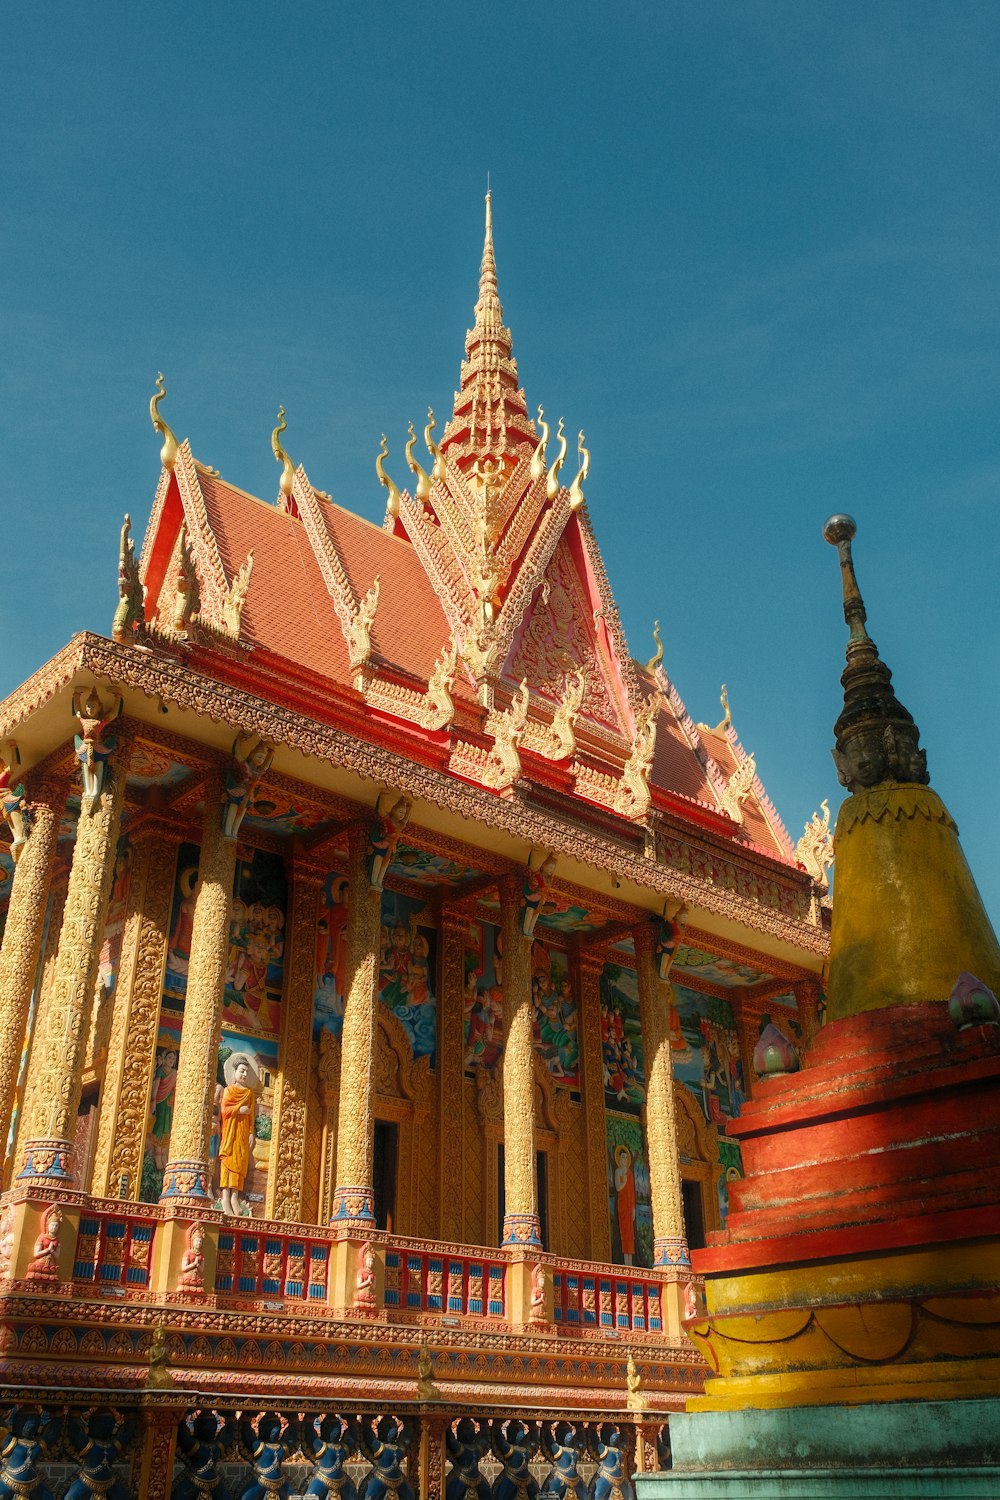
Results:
<point x="552" y="482"/>
<point x="657" y="657"/>
<point x="287" y="479"/>
<point x="576" y="495"/>
<point x="423" y="478"/>
<point x="168" y="453"/>
<point x="877" y="740"/>
<point x="438" y="471"/>
<point x="393" y="503"/>
<point x="538" y="457"/>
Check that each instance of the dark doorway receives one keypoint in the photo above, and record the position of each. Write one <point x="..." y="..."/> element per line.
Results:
<point x="694" y="1214"/>
<point x="384" y="1174"/>
<point x="541" y="1190"/>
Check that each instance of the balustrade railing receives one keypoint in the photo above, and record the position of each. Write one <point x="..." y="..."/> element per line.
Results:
<point x="267" y="1262"/>
<point x="606" y="1299"/>
<point x="114" y="1249"/>
<point x="456" y="1282"/>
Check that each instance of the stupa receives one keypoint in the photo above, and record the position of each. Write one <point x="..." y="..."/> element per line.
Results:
<point x="852" y="1303"/>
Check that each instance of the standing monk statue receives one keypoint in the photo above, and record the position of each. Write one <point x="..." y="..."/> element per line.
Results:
<point x="239" y="1104"/>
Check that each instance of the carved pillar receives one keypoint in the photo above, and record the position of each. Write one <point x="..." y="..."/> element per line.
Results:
<point x="154" y="1453"/>
<point x="62" y="1025"/>
<point x="186" y="1178"/>
<point x="328" y="1085"/>
<point x="46" y="978"/>
<point x="125" y="1091"/>
<point x="669" y="1239"/>
<point x="22" y="941"/>
<point x="521" y="1224"/>
<point x="291" y="1095"/>
<point x="451" y="1073"/>
<point x="354" y="1197"/>
<point x="589" y="968"/>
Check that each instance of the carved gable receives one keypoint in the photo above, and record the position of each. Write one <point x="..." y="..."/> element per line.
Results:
<point x="559" y="634"/>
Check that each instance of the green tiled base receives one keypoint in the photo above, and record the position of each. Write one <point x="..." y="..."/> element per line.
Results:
<point x="902" y="1451"/>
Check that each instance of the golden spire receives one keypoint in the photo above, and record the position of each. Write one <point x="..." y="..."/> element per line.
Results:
<point x="168" y="453"/>
<point x="393" y="506"/>
<point x="576" y="495"/>
<point x="488" y="312"/>
<point x="287" y="469"/>
<point x="654" y="661"/>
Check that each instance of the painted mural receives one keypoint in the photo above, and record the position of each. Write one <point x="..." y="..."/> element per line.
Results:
<point x="483" y="996"/>
<point x="629" y="1202"/>
<point x="554" y="1021"/>
<point x="706" y="1053"/>
<point x="331" y="956"/>
<point x="621" y="1040"/>
<point x="255" y="969"/>
<point x="555" y="1017"/>
<point x="407" y="968"/>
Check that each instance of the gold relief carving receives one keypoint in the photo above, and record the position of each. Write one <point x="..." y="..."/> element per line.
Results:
<point x="504" y="765"/>
<point x="209" y="956"/>
<point x="558" y="741"/>
<point x="359" y="634"/>
<point x="474" y="1229"/>
<point x="125" y="1091"/>
<point x="63" y="1023"/>
<point x="592" y="1076"/>
<point x="557" y="641"/>
<point x="520" y="1186"/>
<point x="451" y="1065"/>
<point x="328" y="1082"/>
<point x="235" y="597"/>
<point x="633" y="797"/>
<point x="738" y="788"/>
<point x="178" y="684"/>
<point x="291" y="1094"/>
<point x="661" y="1119"/>
<point x="22" y="940"/>
<point x="355" y="1119"/>
<point x="44" y="989"/>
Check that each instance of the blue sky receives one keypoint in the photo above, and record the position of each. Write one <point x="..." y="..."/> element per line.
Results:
<point x="751" y="248"/>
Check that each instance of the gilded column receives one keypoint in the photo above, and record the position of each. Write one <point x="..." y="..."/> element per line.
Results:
<point x="589" y="969"/>
<point x="354" y="1196"/>
<point x="291" y="1095"/>
<point x="186" y="1176"/>
<point x="451" y="1073"/>
<point x="46" y="978"/>
<point x="669" y="1238"/>
<point x="63" y="1023"/>
<point x="22" y="941"/>
<point x="521" y="1224"/>
<point x="125" y="1091"/>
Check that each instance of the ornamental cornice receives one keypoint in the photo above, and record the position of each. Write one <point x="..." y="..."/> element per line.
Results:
<point x="512" y="815"/>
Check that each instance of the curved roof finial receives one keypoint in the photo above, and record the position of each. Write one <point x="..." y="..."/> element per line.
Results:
<point x="168" y="453"/>
<point x="393" y="503"/>
<point x="654" y="661"/>
<point x="287" y="468"/>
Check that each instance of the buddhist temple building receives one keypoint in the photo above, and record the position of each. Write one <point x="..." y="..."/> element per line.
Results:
<point x="384" y="954"/>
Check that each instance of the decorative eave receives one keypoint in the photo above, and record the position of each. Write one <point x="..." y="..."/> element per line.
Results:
<point x="208" y="686"/>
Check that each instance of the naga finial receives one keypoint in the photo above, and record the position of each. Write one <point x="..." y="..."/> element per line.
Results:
<point x="576" y="495"/>
<point x="538" y="457"/>
<point x="654" y="661"/>
<point x="393" y="506"/>
<point x="437" y="472"/>
<point x="287" y="468"/>
<point x="423" y="479"/>
<point x="552" y="483"/>
<point x="168" y="453"/>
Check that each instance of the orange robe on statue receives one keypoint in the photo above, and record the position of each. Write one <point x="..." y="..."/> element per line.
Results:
<point x="626" y="1213"/>
<point x="234" y="1147"/>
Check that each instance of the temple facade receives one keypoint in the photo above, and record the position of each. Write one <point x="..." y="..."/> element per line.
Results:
<point x="384" y="954"/>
